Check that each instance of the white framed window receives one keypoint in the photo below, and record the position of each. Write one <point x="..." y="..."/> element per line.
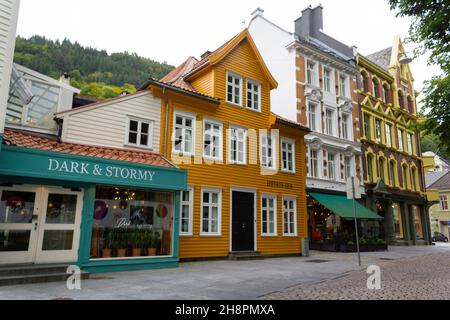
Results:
<point x="312" y="116"/>
<point x="288" y="155"/>
<point x="331" y="166"/>
<point x="443" y="202"/>
<point x="253" y="95"/>
<point x="212" y="139"/>
<point x="186" y="212"/>
<point x="268" y="215"/>
<point x="327" y="79"/>
<point x="211" y="212"/>
<point x="234" y="89"/>
<point x="140" y="132"/>
<point x="237" y="145"/>
<point x="313" y="163"/>
<point x="347" y="167"/>
<point x="267" y="150"/>
<point x="289" y="216"/>
<point x="343" y="86"/>
<point x="388" y="128"/>
<point x="409" y="137"/>
<point x="346" y="129"/>
<point x="400" y="139"/>
<point x="183" y="138"/>
<point x="378" y="137"/>
<point x="329" y="121"/>
<point x="311" y="73"/>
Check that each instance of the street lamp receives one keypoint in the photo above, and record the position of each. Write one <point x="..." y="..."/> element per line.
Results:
<point x="404" y="59"/>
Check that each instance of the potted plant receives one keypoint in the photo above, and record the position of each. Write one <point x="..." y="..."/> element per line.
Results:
<point x="121" y="243"/>
<point x="381" y="245"/>
<point x="137" y="242"/>
<point x="108" y="237"/>
<point x="363" y="245"/>
<point x="349" y="246"/>
<point x="152" y="242"/>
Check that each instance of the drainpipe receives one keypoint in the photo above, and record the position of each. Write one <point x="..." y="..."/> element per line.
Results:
<point x="166" y="121"/>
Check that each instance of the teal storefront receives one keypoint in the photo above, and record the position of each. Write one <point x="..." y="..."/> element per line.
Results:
<point x="100" y="214"/>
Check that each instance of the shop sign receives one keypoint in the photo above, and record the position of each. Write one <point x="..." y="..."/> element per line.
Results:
<point x="97" y="170"/>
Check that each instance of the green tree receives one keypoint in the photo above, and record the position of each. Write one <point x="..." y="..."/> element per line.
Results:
<point x="430" y="30"/>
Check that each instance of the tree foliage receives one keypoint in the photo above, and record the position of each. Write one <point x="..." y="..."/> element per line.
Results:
<point x="93" y="71"/>
<point x="430" y="29"/>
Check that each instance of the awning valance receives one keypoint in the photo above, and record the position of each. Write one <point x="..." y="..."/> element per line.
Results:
<point x="343" y="207"/>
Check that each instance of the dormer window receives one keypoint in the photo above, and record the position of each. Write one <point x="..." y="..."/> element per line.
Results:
<point x="386" y="94"/>
<point x="400" y="100"/>
<point x="311" y="73"/>
<point x="253" y="95"/>
<point x="140" y="133"/>
<point x="234" y="89"/>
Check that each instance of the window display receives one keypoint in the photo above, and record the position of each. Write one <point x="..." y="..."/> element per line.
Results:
<point x="131" y="223"/>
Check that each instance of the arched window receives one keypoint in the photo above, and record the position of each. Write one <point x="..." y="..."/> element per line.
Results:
<point x="405" y="176"/>
<point x="381" y="163"/>
<point x="364" y="85"/>
<point x="375" y="88"/>
<point x="386" y="95"/>
<point x="410" y="105"/>
<point x="370" y="176"/>
<point x="401" y="103"/>
<point x="392" y="168"/>
<point x="414" y="179"/>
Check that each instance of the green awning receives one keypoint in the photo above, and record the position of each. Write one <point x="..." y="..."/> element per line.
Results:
<point x="343" y="207"/>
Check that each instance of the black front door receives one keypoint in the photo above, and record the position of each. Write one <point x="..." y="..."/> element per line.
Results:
<point x="243" y="238"/>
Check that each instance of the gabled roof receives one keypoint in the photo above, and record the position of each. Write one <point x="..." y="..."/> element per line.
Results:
<point x="219" y="54"/>
<point x="441" y="180"/>
<point x="175" y="77"/>
<point x="381" y="58"/>
<point x="30" y="140"/>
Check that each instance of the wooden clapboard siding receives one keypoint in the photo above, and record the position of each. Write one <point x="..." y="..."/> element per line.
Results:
<point x="106" y="125"/>
<point x="242" y="61"/>
<point x="205" y="84"/>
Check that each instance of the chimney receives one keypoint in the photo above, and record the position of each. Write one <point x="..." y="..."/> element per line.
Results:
<point x="257" y="13"/>
<point x="65" y="78"/>
<point x="310" y="22"/>
<point x="207" y="53"/>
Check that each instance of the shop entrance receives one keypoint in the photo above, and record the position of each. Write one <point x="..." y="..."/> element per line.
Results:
<point x="39" y="224"/>
<point x="243" y="225"/>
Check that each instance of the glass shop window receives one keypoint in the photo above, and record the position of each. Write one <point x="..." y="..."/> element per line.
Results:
<point x="131" y="223"/>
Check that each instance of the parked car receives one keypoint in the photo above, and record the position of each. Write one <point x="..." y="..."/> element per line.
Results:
<point x="439" y="237"/>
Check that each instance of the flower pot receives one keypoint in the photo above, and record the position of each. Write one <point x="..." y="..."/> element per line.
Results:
<point x="106" y="253"/>
<point x="151" y="252"/>
<point x="121" y="253"/>
<point x="136" y="252"/>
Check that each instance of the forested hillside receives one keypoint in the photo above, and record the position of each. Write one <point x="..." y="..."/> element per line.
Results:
<point x="91" y="70"/>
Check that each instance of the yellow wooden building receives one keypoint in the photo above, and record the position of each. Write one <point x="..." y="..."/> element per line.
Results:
<point x="246" y="165"/>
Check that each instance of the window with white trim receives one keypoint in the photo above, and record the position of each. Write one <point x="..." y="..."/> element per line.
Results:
<point x="347" y="167"/>
<point x="378" y="137"/>
<point x="443" y="202"/>
<point x="237" y="145"/>
<point x="312" y="116"/>
<point x="409" y="138"/>
<point x="311" y="73"/>
<point x="186" y="212"/>
<point x="289" y="216"/>
<point x="313" y="163"/>
<point x="343" y="86"/>
<point x="346" y="126"/>
<point x="211" y="212"/>
<point x="268" y="215"/>
<point x="253" y="95"/>
<point x="388" y="134"/>
<point x="184" y="131"/>
<point x="212" y="140"/>
<point x="331" y="166"/>
<point x="400" y="139"/>
<point x="287" y="155"/>
<point x="234" y="88"/>
<point x="329" y="121"/>
<point x="267" y="149"/>
<point x="140" y="132"/>
<point x="327" y="78"/>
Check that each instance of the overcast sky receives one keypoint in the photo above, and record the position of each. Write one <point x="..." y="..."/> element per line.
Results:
<point x="171" y="30"/>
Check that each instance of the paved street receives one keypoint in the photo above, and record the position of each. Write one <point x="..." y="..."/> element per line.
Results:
<point x="409" y="272"/>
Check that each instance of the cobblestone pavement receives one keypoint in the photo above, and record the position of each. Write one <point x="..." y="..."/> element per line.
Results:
<point x="416" y="278"/>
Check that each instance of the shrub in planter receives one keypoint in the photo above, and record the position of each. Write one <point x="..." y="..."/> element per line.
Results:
<point x="349" y="246"/>
<point x="137" y="242"/>
<point x="381" y="245"/>
<point x="121" y="238"/>
<point x="108" y="236"/>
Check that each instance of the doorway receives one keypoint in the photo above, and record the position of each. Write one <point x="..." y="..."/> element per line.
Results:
<point x="243" y="221"/>
<point x="39" y="224"/>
